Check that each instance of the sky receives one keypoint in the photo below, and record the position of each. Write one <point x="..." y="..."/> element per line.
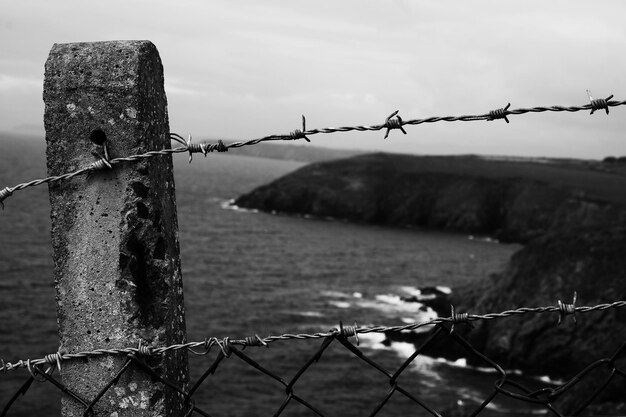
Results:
<point x="240" y="70"/>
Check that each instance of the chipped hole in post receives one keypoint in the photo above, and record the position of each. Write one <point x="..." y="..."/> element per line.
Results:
<point x="98" y="137"/>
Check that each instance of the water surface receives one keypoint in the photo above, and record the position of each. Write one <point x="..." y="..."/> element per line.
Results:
<point x="248" y="273"/>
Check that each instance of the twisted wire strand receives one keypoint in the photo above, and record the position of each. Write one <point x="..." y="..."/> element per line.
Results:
<point x="55" y="359"/>
<point x="94" y="166"/>
<point x="395" y="123"/>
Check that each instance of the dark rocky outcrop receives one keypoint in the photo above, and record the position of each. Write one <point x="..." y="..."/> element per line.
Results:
<point x="571" y="216"/>
<point x="550" y="268"/>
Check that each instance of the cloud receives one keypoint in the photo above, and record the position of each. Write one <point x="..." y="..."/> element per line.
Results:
<point x="351" y="62"/>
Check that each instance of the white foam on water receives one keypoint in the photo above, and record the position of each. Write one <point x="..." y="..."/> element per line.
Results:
<point x="394" y="307"/>
<point x="486" y="370"/>
<point x="372" y="341"/>
<point x="422" y="363"/>
<point x="309" y="314"/>
<point x="460" y="363"/>
<point x="389" y="299"/>
<point x="230" y="205"/>
<point x="426" y="366"/>
<point x="445" y="290"/>
<point x="493" y="406"/>
<point x="391" y="306"/>
<point x="428" y="315"/>
<point x="417" y="293"/>
<point x="403" y="349"/>
<point x="410" y="290"/>
<point x="427" y="297"/>
<point x="335" y="294"/>
<point x="548" y="380"/>
<point x="340" y="304"/>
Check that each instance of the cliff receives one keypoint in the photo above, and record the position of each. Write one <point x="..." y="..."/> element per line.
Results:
<point x="512" y="201"/>
<point x="571" y="216"/>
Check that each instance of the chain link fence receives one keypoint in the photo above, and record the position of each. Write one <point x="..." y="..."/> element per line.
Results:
<point x="289" y="394"/>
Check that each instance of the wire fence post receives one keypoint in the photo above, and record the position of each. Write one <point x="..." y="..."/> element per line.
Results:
<point x="114" y="231"/>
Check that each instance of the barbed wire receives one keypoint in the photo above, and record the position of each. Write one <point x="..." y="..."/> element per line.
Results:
<point x="393" y="121"/>
<point x="56" y="358"/>
<point x="504" y="385"/>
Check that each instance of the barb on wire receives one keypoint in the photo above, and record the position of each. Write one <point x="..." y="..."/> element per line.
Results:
<point x="500" y="113"/>
<point x="456" y="318"/>
<point x="565" y="309"/>
<point x="299" y="134"/>
<point x="391" y="122"/>
<point x="601" y="103"/>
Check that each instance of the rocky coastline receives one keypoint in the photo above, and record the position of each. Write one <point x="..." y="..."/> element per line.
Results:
<point x="570" y="217"/>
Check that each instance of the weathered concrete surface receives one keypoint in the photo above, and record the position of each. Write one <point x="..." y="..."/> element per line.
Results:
<point x="114" y="233"/>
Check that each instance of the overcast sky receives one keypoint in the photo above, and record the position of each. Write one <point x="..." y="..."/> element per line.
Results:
<point x="247" y="69"/>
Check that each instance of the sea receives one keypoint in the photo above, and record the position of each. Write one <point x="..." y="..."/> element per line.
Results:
<point x="252" y="273"/>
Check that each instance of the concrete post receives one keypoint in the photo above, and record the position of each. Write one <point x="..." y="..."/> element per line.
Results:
<point x="115" y="232"/>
